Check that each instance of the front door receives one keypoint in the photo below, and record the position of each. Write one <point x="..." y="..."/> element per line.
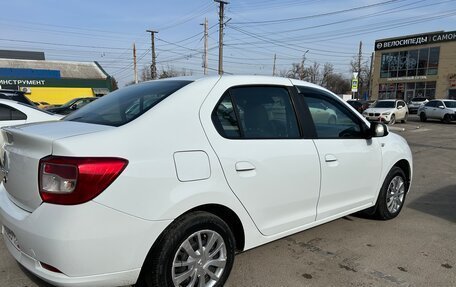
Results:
<point x="273" y="171"/>
<point x="350" y="164"/>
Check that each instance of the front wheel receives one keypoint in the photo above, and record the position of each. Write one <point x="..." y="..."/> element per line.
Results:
<point x="392" y="120"/>
<point x="423" y="117"/>
<point x="195" y="250"/>
<point x="392" y="195"/>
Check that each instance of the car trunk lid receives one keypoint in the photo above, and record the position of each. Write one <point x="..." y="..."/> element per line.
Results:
<point x="22" y="148"/>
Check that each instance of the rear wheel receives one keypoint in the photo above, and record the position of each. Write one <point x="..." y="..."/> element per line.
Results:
<point x="392" y="195"/>
<point x="196" y="250"/>
<point x="423" y="117"/>
<point x="405" y="119"/>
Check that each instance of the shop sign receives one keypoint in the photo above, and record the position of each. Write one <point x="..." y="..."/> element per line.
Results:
<point x="407" y="78"/>
<point x="416" y="40"/>
<point x="23" y="82"/>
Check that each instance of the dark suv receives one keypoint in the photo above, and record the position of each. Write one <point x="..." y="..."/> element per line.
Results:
<point x="15" y="95"/>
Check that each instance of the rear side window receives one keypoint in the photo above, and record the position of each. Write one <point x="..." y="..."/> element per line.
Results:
<point x="126" y="104"/>
<point x="11" y="114"/>
<point x="256" y="113"/>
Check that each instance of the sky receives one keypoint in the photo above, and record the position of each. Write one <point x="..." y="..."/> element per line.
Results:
<point x="325" y="31"/>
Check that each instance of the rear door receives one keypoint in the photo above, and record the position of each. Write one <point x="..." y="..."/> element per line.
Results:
<point x="350" y="164"/>
<point x="272" y="169"/>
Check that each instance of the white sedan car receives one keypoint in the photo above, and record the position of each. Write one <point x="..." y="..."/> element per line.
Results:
<point x="161" y="183"/>
<point x="388" y="111"/>
<point x="15" y="113"/>
<point x="444" y="110"/>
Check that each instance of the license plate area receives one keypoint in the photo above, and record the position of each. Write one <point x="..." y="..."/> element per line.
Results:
<point x="11" y="237"/>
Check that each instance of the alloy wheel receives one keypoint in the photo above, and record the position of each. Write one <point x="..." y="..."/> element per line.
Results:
<point x="395" y="194"/>
<point x="200" y="260"/>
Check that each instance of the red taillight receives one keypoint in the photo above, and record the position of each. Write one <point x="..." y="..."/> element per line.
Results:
<point x="74" y="180"/>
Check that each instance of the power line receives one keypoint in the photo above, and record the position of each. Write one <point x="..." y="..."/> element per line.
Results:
<point x="265" y="22"/>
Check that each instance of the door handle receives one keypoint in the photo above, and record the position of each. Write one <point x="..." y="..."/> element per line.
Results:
<point x="244" y="166"/>
<point x="330" y="158"/>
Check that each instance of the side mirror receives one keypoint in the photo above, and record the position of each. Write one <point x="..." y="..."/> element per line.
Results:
<point x="73" y="107"/>
<point x="441" y="107"/>
<point x="399" y="107"/>
<point x="377" y="130"/>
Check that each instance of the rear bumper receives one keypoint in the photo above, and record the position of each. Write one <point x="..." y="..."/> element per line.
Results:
<point x="92" y="245"/>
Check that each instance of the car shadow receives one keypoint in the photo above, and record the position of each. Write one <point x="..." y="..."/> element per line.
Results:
<point x="439" y="203"/>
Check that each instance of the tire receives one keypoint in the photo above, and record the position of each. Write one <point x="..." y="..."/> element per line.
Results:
<point x="392" y="120"/>
<point x="392" y="195"/>
<point x="423" y="117"/>
<point x="405" y="119"/>
<point x="176" y="255"/>
<point x="446" y="119"/>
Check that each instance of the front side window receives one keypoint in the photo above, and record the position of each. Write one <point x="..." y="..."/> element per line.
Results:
<point x="332" y="119"/>
<point x="256" y="113"/>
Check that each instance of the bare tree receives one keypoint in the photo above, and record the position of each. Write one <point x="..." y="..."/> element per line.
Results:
<point x="325" y="76"/>
<point x="313" y="74"/>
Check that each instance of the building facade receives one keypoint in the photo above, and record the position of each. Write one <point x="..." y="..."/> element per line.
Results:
<point x="54" y="82"/>
<point x="422" y="65"/>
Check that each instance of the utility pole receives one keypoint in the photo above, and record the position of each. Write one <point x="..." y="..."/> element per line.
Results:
<point x="206" y="35"/>
<point x="134" y="63"/>
<point x="274" y="66"/>
<point x="360" y="54"/>
<point x="153" y="67"/>
<point x="370" y="76"/>
<point x="221" y="17"/>
<point x="302" y="64"/>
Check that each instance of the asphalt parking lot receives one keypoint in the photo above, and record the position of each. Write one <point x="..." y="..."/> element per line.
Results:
<point x="415" y="249"/>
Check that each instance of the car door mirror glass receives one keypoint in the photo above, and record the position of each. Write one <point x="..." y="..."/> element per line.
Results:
<point x="378" y="130"/>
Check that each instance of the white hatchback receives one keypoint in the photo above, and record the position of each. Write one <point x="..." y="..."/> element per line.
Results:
<point x="161" y="183"/>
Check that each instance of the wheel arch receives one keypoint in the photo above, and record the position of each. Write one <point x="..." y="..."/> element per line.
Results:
<point x="405" y="166"/>
<point x="230" y="217"/>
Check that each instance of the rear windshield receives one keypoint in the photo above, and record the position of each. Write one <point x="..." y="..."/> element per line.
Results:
<point x="418" y="99"/>
<point x="126" y="104"/>
<point x="385" y="104"/>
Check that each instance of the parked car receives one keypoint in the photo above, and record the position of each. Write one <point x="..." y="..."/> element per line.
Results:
<point x="388" y="111"/>
<point x="71" y="106"/>
<point x="444" y="110"/>
<point x="43" y="105"/>
<point x="415" y="103"/>
<point x="15" y="95"/>
<point x="161" y="183"/>
<point x="359" y="105"/>
<point x="15" y="113"/>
